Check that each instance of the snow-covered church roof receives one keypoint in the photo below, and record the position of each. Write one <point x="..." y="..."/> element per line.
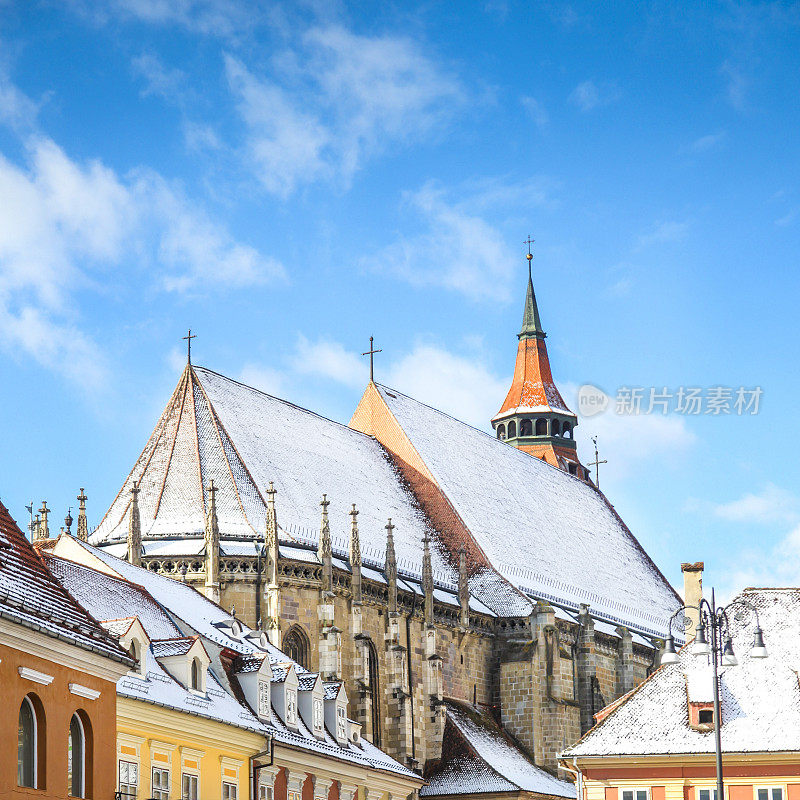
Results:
<point x="544" y="534"/>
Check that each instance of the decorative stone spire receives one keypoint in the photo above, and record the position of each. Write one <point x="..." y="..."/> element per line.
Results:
<point x="83" y="528"/>
<point x="427" y="580"/>
<point x="324" y="548"/>
<point x="135" y="529"/>
<point x="355" y="556"/>
<point x="463" y="587"/>
<point x="212" y="546"/>
<point x="272" y="591"/>
<point x="534" y="416"/>
<point x="391" y="567"/>
<point x="68" y="522"/>
<point x="43" y="529"/>
<point x="271" y="537"/>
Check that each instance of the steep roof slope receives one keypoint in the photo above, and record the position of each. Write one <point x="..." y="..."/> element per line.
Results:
<point x="549" y="533"/>
<point x="31" y="596"/>
<point x="760" y="697"/>
<point x="480" y="759"/>
<point x="216" y="428"/>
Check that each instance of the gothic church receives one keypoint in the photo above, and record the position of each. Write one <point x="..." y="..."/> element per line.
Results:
<point x="478" y="595"/>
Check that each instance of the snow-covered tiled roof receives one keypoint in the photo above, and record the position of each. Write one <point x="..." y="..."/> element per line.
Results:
<point x="31" y="596"/>
<point x="179" y="646"/>
<point x="549" y="533"/>
<point x="484" y="760"/>
<point x="760" y="697"/>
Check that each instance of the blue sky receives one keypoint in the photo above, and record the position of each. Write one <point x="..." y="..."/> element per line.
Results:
<point x="289" y="179"/>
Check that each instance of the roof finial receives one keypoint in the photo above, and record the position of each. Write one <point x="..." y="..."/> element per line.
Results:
<point x="531" y="324"/>
<point x="188" y="339"/>
<point x="44" y="530"/>
<point x="371" y="353"/>
<point x="83" y="527"/>
<point x="68" y="522"/>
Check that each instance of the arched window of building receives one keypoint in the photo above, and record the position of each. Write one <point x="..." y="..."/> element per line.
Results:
<point x="196" y="682"/>
<point x="28" y="745"/>
<point x="555" y="427"/>
<point x="375" y="694"/>
<point x="501" y="431"/>
<point x="512" y="429"/>
<point x="567" y="430"/>
<point x="541" y="427"/>
<point x="296" y="645"/>
<point x="525" y="428"/>
<point x="76" y="758"/>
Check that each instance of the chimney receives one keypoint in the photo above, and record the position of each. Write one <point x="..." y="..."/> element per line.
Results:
<point x="692" y="594"/>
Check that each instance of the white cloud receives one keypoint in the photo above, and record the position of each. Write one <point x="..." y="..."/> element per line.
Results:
<point x="707" y="142"/>
<point x="160" y="79"/>
<point x="588" y="96"/>
<point x="537" y="111"/>
<point x="736" y="85"/>
<point x="336" y="100"/>
<point x="772" y="504"/>
<point x="662" y="233"/>
<point x="267" y="379"/>
<point x="331" y="360"/>
<point x="458" y="248"/>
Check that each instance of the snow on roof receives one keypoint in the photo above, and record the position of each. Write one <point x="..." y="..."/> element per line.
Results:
<point x="179" y="646"/>
<point x="31" y="596"/>
<point x="485" y="760"/>
<point x="549" y="533"/>
<point x="760" y="697"/>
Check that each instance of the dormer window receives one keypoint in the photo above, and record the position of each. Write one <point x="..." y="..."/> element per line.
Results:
<point x="701" y="716"/>
<point x="319" y="715"/>
<point x="263" y="698"/>
<point x="196" y="681"/>
<point x="291" y="706"/>
<point x="705" y="716"/>
<point x="236" y="629"/>
<point x="341" y="723"/>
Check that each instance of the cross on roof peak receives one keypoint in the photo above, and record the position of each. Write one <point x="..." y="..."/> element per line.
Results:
<point x="188" y="338"/>
<point x="371" y="353"/>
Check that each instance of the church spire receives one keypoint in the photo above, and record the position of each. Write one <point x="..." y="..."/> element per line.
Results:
<point x="534" y="417"/>
<point x="427" y="580"/>
<point x="391" y="567"/>
<point x="212" y="546"/>
<point x="531" y="324"/>
<point x="324" y="550"/>
<point x="355" y="556"/>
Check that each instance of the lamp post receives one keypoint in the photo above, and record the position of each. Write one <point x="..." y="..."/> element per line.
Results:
<point x="714" y="620"/>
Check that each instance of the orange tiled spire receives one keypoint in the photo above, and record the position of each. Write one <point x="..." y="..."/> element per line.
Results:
<point x="534" y="416"/>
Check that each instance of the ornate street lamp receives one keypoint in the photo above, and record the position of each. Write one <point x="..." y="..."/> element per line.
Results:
<point x="714" y="619"/>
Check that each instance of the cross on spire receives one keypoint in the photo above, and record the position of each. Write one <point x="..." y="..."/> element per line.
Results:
<point x="529" y="242"/>
<point x="188" y="339"/>
<point x="596" y="463"/>
<point x="371" y="353"/>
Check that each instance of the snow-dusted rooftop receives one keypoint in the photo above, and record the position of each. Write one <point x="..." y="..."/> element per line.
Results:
<point x="549" y="533"/>
<point x="760" y="697"/>
<point x="483" y="760"/>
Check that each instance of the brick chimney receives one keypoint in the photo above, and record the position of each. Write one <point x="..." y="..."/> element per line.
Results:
<point x="692" y="594"/>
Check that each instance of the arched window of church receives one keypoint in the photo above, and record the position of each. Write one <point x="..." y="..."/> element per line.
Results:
<point x="501" y="431"/>
<point x="512" y="429"/>
<point x="375" y="693"/>
<point x="555" y="427"/>
<point x="567" y="430"/>
<point x="525" y="428"/>
<point x="28" y="750"/>
<point x="541" y="427"/>
<point x="297" y="646"/>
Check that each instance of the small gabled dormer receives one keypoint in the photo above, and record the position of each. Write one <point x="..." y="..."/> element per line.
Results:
<point x="230" y="627"/>
<point x="186" y="659"/>
<point x="284" y="693"/>
<point x="258" y="639"/>
<point x="336" y="711"/>
<point x="311" y="702"/>
<point x="255" y="677"/>
<point x="134" y="639"/>
<point x="700" y="698"/>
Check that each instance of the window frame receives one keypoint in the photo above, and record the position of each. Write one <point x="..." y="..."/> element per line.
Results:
<point x="128" y="784"/>
<point x="163" y="791"/>
<point x="234" y="795"/>
<point x="76" y="717"/>
<point x="190" y="777"/>
<point x="635" y="790"/>
<point x="771" y="792"/>
<point x="34" y="745"/>
<point x="712" y="792"/>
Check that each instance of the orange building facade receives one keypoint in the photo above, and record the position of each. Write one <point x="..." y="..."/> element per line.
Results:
<point x="58" y="674"/>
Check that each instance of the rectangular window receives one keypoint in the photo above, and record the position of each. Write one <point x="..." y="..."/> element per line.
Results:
<point x="189" y="787"/>
<point x="264" y="792"/>
<point x="770" y="793"/>
<point x="160" y="788"/>
<point x="291" y="707"/>
<point x="229" y="791"/>
<point x="706" y="794"/>
<point x="128" y="779"/>
<point x="635" y="794"/>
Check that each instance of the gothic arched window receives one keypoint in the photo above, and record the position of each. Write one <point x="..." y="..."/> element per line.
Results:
<point x="525" y="428"/>
<point x="512" y="429"/>
<point x="28" y="745"/>
<point x="297" y="646"/>
<point x="76" y="758"/>
<point x="375" y="693"/>
<point x="541" y="427"/>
